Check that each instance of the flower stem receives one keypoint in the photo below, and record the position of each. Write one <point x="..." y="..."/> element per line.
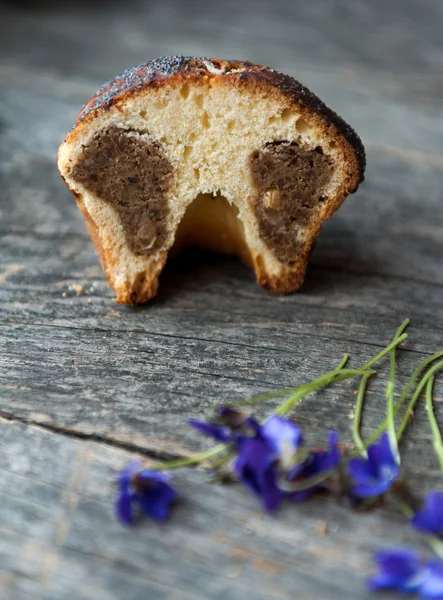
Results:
<point x="392" y="434"/>
<point x="283" y="392"/>
<point x="336" y="375"/>
<point x="403" y="396"/>
<point x="307" y="388"/>
<point x="421" y="367"/>
<point x="415" y="397"/>
<point x="358" y="412"/>
<point x="307" y="483"/>
<point x="333" y="377"/>
<point x="194" y="460"/>
<point x="393" y="344"/>
<point x="436" y="544"/>
<point x="437" y="441"/>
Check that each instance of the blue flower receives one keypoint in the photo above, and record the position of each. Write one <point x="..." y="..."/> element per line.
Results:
<point x="260" y="458"/>
<point x="432" y="586"/>
<point x="270" y="456"/>
<point x="324" y="460"/>
<point x="256" y="467"/>
<point x="271" y="462"/>
<point x="399" y="569"/>
<point x="143" y="490"/>
<point x="430" y="518"/>
<point x="375" y="474"/>
<point x="285" y="439"/>
<point x="229" y="425"/>
<point x="402" y="570"/>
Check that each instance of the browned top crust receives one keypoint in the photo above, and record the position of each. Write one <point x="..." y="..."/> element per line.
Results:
<point x="159" y="71"/>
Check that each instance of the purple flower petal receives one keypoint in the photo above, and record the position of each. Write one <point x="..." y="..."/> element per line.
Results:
<point x="123" y="509"/>
<point x="148" y="476"/>
<point x="256" y="469"/>
<point x="432" y="586"/>
<point x="302" y="495"/>
<point x="271" y="495"/>
<point x="156" y="503"/>
<point x="317" y="463"/>
<point x="430" y="517"/>
<point x="325" y="460"/>
<point x="145" y="488"/>
<point x="283" y="435"/>
<point x="380" y="453"/>
<point x="376" y="474"/>
<point x="229" y="426"/>
<point x="368" y="491"/>
<point x="217" y="432"/>
<point x="360" y="469"/>
<point x="125" y="476"/>
<point x="398" y="569"/>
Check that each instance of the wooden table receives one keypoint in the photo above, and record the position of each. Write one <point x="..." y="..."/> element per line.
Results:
<point x="86" y="385"/>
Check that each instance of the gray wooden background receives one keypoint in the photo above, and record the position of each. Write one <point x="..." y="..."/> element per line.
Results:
<point x="86" y="385"/>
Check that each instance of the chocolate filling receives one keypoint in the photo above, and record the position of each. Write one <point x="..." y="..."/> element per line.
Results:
<point x="132" y="174"/>
<point x="290" y="184"/>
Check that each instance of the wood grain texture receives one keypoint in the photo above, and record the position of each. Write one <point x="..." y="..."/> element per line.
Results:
<point x="59" y="537"/>
<point x="86" y="384"/>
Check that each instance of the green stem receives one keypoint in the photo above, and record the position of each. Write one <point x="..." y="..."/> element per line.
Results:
<point x="415" y="397"/>
<point x="333" y="377"/>
<point x="405" y="508"/>
<point x="436" y="544"/>
<point x="307" y="483"/>
<point x="279" y="393"/>
<point x="222" y="460"/>
<point x="358" y="412"/>
<point x="385" y="351"/>
<point x="185" y="462"/>
<point x="341" y="365"/>
<point x="392" y="434"/>
<point x="421" y="367"/>
<point x="307" y="388"/>
<point x="257" y="399"/>
<point x="336" y="375"/>
<point x="437" y="441"/>
<point x="403" y="396"/>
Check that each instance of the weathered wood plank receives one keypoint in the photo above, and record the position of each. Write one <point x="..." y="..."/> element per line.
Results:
<point x="389" y="37"/>
<point x="79" y="365"/>
<point x="212" y="334"/>
<point x="59" y="538"/>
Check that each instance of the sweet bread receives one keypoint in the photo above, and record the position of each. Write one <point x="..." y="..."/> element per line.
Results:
<point x="225" y="155"/>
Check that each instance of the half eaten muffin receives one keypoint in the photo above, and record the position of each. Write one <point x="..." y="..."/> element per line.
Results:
<point x="225" y="155"/>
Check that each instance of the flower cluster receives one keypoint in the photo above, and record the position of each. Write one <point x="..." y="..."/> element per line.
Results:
<point x="272" y="461"/>
<point x="403" y="570"/>
<point x="271" y="458"/>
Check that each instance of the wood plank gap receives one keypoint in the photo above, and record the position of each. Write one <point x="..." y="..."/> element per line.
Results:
<point x="95" y="438"/>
